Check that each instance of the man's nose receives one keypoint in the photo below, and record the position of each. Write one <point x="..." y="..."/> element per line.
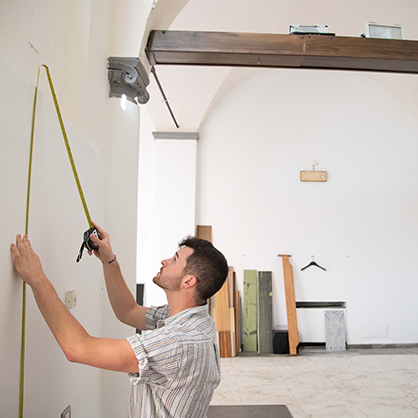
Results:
<point x="164" y="263"/>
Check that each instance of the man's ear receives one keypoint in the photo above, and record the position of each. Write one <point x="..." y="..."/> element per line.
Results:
<point x="189" y="281"/>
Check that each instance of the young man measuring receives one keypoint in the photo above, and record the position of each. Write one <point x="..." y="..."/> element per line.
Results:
<point x="174" y="366"/>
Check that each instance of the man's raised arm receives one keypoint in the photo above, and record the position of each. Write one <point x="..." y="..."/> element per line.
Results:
<point x="123" y="303"/>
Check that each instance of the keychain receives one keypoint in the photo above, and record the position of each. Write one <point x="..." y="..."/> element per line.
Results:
<point x="87" y="242"/>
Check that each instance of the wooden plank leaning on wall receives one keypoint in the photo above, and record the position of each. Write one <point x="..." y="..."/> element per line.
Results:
<point x="250" y="311"/>
<point x="264" y="313"/>
<point x="292" y="321"/>
<point x="224" y="317"/>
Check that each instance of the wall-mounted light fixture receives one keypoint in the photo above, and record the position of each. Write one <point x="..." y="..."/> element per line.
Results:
<point x="313" y="175"/>
<point x="127" y="76"/>
<point x="373" y="30"/>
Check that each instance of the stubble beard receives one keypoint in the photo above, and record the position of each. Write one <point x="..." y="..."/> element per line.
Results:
<point x="171" y="284"/>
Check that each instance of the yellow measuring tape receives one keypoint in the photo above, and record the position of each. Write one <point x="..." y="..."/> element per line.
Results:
<point x="83" y="201"/>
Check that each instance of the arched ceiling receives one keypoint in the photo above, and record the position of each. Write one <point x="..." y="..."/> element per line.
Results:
<point x="194" y="91"/>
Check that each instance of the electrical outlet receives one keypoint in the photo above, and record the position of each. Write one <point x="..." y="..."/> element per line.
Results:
<point x="67" y="412"/>
<point x="71" y="299"/>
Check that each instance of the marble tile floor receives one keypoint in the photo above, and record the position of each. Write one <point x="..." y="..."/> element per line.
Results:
<point x="356" y="383"/>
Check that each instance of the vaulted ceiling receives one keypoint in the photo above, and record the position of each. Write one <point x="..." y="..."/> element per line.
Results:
<point x="194" y="91"/>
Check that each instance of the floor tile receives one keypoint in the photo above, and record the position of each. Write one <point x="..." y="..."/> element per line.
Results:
<point x="333" y="410"/>
<point x="355" y="380"/>
<point x="360" y="383"/>
<point x="388" y="409"/>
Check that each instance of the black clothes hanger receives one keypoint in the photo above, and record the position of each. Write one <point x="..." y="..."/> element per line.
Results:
<point x="312" y="263"/>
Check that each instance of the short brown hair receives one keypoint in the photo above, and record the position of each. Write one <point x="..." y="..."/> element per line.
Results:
<point x="207" y="264"/>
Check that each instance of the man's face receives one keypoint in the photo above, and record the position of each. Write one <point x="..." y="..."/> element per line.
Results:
<point x="171" y="272"/>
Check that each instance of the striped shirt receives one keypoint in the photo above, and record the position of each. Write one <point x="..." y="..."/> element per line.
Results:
<point x="178" y="364"/>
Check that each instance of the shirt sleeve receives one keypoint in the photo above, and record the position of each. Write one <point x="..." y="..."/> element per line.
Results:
<point x="158" y="354"/>
<point x="140" y="354"/>
<point x="155" y="314"/>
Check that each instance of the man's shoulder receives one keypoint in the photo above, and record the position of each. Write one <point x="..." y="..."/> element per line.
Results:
<point x="193" y="326"/>
<point x="155" y="314"/>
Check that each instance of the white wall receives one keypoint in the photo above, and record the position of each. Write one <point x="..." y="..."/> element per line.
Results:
<point x="55" y="207"/>
<point x="361" y="225"/>
<point x="74" y="39"/>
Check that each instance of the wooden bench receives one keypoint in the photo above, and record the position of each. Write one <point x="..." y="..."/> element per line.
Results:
<point x="249" y="411"/>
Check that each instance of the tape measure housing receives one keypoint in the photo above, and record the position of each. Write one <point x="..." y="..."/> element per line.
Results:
<point x="88" y="243"/>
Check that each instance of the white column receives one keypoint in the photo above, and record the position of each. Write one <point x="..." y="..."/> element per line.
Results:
<point x="166" y="203"/>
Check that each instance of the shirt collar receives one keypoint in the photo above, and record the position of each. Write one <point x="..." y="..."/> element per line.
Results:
<point x="196" y="310"/>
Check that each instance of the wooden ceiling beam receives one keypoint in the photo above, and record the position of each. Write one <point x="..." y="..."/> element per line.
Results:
<point x="282" y="51"/>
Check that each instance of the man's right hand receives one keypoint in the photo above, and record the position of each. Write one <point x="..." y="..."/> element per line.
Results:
<point x="104" y="253"/>
<point x="26" y="261"/>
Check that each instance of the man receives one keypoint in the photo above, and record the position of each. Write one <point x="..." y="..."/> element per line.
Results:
<point x="173" y="367"/>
